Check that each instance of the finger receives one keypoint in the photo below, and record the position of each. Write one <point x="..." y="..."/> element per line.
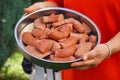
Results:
<point x="89" y="55"/>
<point x="91" y="63"/>
<point x="32" y="8"/>
<point x="28" y="10"/>
<point x="83" y="67"/>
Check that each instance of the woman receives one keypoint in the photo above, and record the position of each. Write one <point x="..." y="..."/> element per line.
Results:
<point x="96" y="64"/>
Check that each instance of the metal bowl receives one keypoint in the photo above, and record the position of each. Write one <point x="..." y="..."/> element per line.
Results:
<point x="27" y="21"/>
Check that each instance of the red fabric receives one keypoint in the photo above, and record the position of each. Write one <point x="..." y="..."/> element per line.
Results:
<point x="106" y="14"/>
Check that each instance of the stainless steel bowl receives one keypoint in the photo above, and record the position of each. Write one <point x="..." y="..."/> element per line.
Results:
<point x="26" y="21"/>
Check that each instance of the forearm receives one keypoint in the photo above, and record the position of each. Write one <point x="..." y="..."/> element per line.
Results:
<point x="114" y="43"/>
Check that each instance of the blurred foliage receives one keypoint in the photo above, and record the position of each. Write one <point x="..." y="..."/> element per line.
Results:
<point x="12" y="70"/>
<point x="33" y="1"/>
<point x="10" y="13"/>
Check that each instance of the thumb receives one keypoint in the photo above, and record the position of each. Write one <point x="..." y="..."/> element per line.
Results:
<point x="89" y="55"/>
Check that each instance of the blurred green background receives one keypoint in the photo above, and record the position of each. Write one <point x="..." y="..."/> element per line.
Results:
<point x="10" y="57"/>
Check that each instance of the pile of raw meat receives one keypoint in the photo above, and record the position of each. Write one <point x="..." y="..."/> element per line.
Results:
<point x="59" y="38"/>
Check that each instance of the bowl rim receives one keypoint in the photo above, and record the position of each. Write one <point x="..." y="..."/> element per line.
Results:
<point x="52" y="8"/>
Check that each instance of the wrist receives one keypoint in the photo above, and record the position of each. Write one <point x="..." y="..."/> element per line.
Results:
<point x="114" y="43"/>
<point x="109" y="49"/>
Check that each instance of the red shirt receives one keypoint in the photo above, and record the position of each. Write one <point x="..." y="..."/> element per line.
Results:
<point x="106" y="14"/>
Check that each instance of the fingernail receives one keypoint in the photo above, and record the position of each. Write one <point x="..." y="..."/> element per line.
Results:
<point x="85" y="57"/>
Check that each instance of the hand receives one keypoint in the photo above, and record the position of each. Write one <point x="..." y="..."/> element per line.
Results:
<point x="39" y="5"/>
<point x="92" y="58"/>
